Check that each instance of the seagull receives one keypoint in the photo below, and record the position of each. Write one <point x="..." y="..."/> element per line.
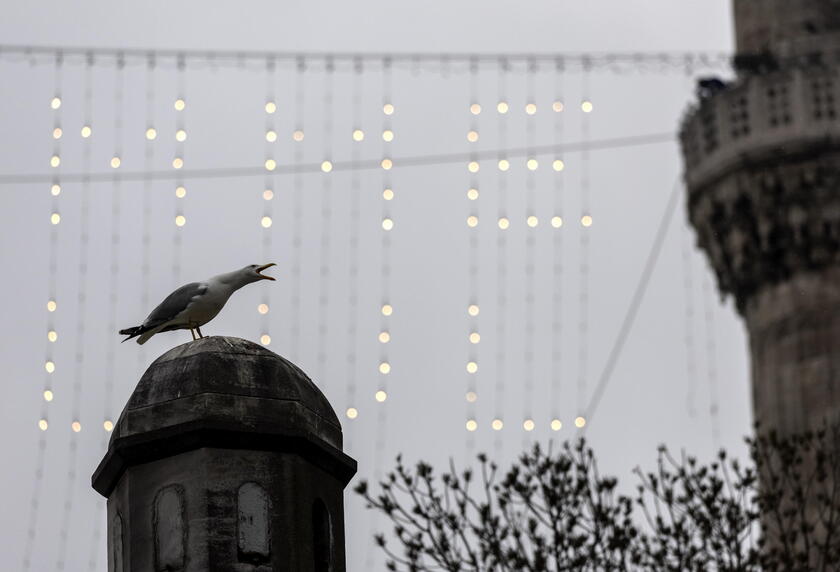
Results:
<point x="194" y="304"/>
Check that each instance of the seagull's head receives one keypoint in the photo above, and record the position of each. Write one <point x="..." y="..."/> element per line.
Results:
<point x="253" y="272"/>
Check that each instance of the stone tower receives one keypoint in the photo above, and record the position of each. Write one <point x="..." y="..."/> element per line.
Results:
<point x="226" y="457"/>
<point x="762" y="159"/>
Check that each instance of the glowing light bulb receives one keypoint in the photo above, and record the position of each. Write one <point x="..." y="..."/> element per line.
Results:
<point x="586" y="106"/>
<point x="180" y="104"/>
<point x="180" y="135"/>
<point x="55" y="161"/>
<point x="352" y="413"/>
<point x="48" y="395"/>
<point x="471" y="396"/>
<point x="270" y="107"/>
<point x="384" y="368"/>
<point x="472" y="194"/>
<point x="55" y="190"/>
<point x="265" y="221"/>
<point x="533" y="221"/>
<point x="177" y="163"/>
<point x="586" y="220"/>
<point x="262" y="308"/>
<point x="108" y="425"/>
<point x="57" y="132"/>
<point x="76" y="426"/>
<point x="271" y="136"/>
<point x="502" y="107"/>
<point x="475" y="109"/>
<point x="52" y="335"/>
<point x="556" y="425"/>
<point x="268" y="194"/>
<point x="380" y="396"/>
<point x="556" y="221"/>
<point x="471" y="425"/>
<point x="388" y="194"/>
<point x="151" y="133"/>
<point x="180" y="220"/>
<point x="532" y="164"/>
<point x="358" y="135"/>
<point x="326" y="166"/>
<point x="497" y="424"/>
<point x="43" y="425"/>
<point x="504" y="223"/>
<point x="580" y="422"/>
<point x="115" y="162"/>
<point x="384" y="337"/>
<point x="475" y="337"/>
<point x="180" y="192"/>
<point x="472" y="367"/>
<point x="270" y="164"/>
<point x="387" y="310"/>
<point x="530" y="108"/>
<point x="504" y="165"/>
<point x="51" y="306"/>
<point x="473" y="310"/>
<point x="49" y="366"/>
<point x="297" y="135"/>
<point x="388" y="109"/>
<point x="56" y="102"/>
<point x="86" y="131"/>
<point x="265" y="339"/>
<point x="473" y="167"/>
<point x="387" y="224"/>
<point x="55" y="218"/>
<point x="472" y="221"/>
<point x="472" y="136"/>
<point x="388" y="135"/>
<point x="558" y="165"/>
<point x="557" y="106"/>
<point x="386" y="164"/>
<point x="528" y="425"/>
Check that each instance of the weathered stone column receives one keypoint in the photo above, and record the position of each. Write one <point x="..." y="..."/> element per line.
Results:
<point x="226" y="457"/>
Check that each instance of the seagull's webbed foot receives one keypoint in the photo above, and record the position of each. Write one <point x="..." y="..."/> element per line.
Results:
<point x="200" y="335"/>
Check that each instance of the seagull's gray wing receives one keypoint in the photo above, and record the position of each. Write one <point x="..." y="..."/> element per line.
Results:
<point x="174" y="304"/>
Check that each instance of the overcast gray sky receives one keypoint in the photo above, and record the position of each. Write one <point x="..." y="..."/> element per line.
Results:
<point x="647" y="402"/>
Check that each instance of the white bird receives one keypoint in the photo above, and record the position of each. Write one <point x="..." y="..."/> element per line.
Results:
<point x="193" y="305"/>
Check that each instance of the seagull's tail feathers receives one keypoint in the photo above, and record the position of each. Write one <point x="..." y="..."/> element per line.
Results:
<point x="145" y="332"/>
<point x="132" y="332"/>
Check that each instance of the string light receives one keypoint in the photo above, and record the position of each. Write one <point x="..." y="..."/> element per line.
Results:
<point x="52" y="335"/>
<point x="55" y="190"/>
<point x="268" y="194"/>
<point x="386" y="164"/>
<point x="180" y="191"/>
<point x="55" y="103"/>
<point x="471" y="425"/>
<point x="384" y="337"/>
<point x="86" y="131"/>
<point x="265" y="339"/>
<point x="471" y="397"/>
<point x="556" y="221"/>
<point x="271" y="136"/>
<point x="108" y="425"/>
<point x="180" y="106"/>
<point x="473" y="166"/>
<point x="180" y="220"/>
<point x="586" y="221"/>
<point x="388" y="109"/>
<point x="267" y="189"/>
<point x="265" y="222"/>
<point x="530" y="108"/>
<point x="384" y="368"/>
<point x="497" y="425"/>
<point x="352" y="413"/>
<point x="55" y="218"/>
<point x="472" y="136"/>
<point x="270" y="164"/>
<point x="57" y="133"/>
<point x="504" y="164"/>
<point x="586" y="106"/>
<point x="472" y="380"/>
<point x="556" y="425"/>
<point x="51" y="306"/>
<point x="475" y="109"/>
<point x="472" y="367"/>
<point x="558" y="165"/>
<point x="270" y="107"/>
<point x="472" y="194"/>
<point x="504" y="223"/>
<point x="358" y="135"/>
<point x="387" y="135"/>
<point x="532" y="221"/>
<point x="473" y="310"/>
<point x="388" y="194"/>
<point x="580" y="422"/>
<point x="49" y="366"/>
<point x="297" y="135"/>
<point x="76" y="426"/>
<point x="326" y="166"/>
<point x="502" y="107"/>
<point x="43" y="425"/>
<point x="151" y="134"/>
<point x="55" y="161"/>
<point x="557" y="106"/>
<point x="380" y="396"/>
<point x="180" y="136"/>
<point x="474" y="337"/>
<point x="116" y="162"/>
<point x="528" y="425"/>
<point x="387" y="224"/>
<point x="262" y="308"/>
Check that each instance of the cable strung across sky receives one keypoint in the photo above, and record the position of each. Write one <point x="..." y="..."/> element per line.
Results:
<point x="407" y="161"/>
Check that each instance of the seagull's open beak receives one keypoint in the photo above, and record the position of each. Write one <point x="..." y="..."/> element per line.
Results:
<point x="263" y="267"/>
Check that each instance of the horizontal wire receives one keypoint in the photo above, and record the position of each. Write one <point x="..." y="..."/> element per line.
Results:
<point x="407" y="161"/>
<point x="593" y="59"/>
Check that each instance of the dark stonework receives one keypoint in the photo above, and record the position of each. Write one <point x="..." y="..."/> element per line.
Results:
<point x="762" y="172"/>
<point x="226" y="457"/>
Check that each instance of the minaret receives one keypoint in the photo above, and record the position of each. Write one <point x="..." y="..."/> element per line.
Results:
<point x="762" y="170"/>
<point x="226" y="457"/>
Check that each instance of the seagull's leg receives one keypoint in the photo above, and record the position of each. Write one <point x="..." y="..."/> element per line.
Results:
<point x="193" y="334"/>
<point x="200" y="335"/>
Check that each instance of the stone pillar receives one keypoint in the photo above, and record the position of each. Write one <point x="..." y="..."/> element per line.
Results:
<point x="762" y="171"/>
<point x="226" y="457"/>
